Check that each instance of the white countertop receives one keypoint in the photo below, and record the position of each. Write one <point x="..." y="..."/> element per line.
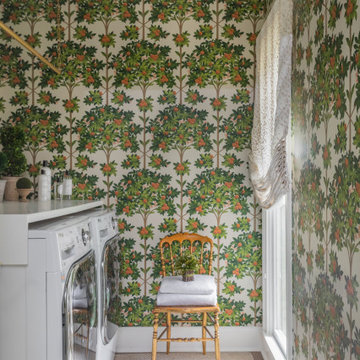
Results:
<point x="15" y="217"/>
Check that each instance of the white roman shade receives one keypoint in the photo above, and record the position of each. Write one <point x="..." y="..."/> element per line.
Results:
<point x="268" y="159"/>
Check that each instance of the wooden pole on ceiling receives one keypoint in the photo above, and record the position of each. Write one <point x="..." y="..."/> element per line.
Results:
<point x="28" y="47"/>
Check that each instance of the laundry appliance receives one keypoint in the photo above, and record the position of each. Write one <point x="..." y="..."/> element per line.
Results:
<point x="104" y="227"/>
<point x="61" y="290"/>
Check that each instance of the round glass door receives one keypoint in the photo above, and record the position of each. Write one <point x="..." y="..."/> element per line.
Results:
<point x="79" y="310"/>
<point x="110" y="304"/>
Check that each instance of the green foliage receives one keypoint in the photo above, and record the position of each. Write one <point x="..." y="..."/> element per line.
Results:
<point x="145" y="192"/>
<point x="344" y="202"/>
<point x="12" y="67"/>
<point x="142" y="62"/>
<point x="3" y="163"/>
<point x="180" y="10"/>
<point x="81" y="67"/>
<point x="216" y="62"/>
<point x="24" y="183"/>
<point x="107" y="127"/>
<point x="328" y="81"/>
<point x="311" y="199"/>
<point x="13" y="140"/>
<point x="328" y="328"/>
<point x="185" y="263"/>
<point x="41" y="126"/>
<point x="179" y="126"/>
<point x="85" y="186"/>
<point x="218" y="191"/>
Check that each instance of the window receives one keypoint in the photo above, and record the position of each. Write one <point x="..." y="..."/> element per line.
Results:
<point x="277" y="273"/>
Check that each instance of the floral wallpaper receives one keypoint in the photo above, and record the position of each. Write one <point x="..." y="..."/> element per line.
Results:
<point x="326" y="175"/>
<point x="152" y="113"/>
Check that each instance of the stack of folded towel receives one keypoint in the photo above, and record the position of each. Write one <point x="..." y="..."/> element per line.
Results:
<point x="80" y="297"/>
<point x="175" y="292"/>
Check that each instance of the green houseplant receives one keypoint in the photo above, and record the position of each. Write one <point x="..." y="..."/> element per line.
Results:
<point x="3" y="167"/>
<point x="13" y="139"/>
<point x="187" y="265"/>
<point x="24" y="188"/>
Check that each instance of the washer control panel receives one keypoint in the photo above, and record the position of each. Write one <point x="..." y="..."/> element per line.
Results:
<point x="73" y="242"/>
<point x="107" y="226"/>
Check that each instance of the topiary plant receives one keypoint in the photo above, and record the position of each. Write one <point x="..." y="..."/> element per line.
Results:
<point x="23" y="183"/>
<point x="187" y="265"/>
<point x="13" y="140"/>
<point x="3" y="163"/>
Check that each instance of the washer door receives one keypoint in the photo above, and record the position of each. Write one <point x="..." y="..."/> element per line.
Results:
<point x="79" y="309"/>
<point x="109" y="299"/>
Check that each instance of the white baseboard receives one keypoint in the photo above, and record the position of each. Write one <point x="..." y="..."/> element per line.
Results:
<point x="139" y="339"/>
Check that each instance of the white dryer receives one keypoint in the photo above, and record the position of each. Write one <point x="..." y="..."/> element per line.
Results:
<point x="106" y="235"/>
<point x="61" y="291"/>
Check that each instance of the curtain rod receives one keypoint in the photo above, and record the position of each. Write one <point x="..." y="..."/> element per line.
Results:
<point x="28" y="47"/>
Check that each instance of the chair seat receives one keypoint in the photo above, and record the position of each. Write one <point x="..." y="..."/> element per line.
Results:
<point x="201" y="285"/>
<point x="186" y="299"/>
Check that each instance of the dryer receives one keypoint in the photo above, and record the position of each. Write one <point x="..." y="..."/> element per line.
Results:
<point x="61" y="291"/>
<point x="104" y="227"/>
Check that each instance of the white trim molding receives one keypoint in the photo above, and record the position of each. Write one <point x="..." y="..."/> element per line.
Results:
<point x="271" y="349"/>
<point x="271" y="223"/>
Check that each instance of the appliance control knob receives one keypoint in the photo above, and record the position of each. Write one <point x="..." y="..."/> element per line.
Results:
<point x="85" y="236"/>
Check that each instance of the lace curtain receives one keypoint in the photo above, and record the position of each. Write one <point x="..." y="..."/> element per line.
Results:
<point x="268" y="159"/>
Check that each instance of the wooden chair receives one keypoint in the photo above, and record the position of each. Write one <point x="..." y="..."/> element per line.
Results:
<point x="196" y="244"/>
<point x="84" y="318"/>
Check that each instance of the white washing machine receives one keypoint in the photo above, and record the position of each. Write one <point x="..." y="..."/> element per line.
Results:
<point x="61" y="291"/>
<point x="105" y="229"/>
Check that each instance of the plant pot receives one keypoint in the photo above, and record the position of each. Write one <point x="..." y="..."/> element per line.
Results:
<point x="23" y="193"/>
<point x="10" y="189"/>
<point x="188" y="276"/>
<point x="2" y="189"/>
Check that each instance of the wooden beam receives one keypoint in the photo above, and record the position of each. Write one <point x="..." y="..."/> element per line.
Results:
<point x="28" y="47"/>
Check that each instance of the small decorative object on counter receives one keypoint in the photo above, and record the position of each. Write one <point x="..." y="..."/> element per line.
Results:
<point x="187" y="265"/>
<point x="24" y="188"/>
<point x="55" y="185"/>
<point x="13" y="140"/>
<point x="44" y="188"/>
<point x="3" y="166"/>
<point x="47" y="171"/>
<point x="67" y="183"/>
<point x="60" y="189"/>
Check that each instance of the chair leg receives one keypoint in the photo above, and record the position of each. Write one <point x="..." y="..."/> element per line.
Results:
<point x="216" y="328"/>
<point x="204" y="332"/>
<point x="88" y="334"/>
<point x="168" y="323"/>
<point x="154" y="342"/>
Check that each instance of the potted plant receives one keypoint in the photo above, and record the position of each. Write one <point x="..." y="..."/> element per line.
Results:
<point x="3" y="166"/>
<point x="13" y="140"/>
<point x="24" y="188"/>
<point x="187" y="265"/>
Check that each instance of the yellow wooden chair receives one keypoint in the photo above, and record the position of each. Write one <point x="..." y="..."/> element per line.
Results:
<point x="84" y="319"/>
<point x="197" y="244"/>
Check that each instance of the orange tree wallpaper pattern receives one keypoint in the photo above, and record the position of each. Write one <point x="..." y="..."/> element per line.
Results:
<point x="326" y="175"/>
<point x="152" y="113"/>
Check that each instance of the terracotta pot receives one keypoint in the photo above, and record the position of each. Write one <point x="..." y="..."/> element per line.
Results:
<point x="10" y="189"/>
<point x="2" y="189"/>
<point x="23" y="194"/>
<point x="188" y="276"/>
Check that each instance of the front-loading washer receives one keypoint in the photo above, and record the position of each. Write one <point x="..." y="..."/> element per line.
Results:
<point x="61" y="291"/>
<point x="104" y="228"/>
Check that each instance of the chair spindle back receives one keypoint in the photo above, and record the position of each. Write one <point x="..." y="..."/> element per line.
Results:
<point x="179" y="242"/>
